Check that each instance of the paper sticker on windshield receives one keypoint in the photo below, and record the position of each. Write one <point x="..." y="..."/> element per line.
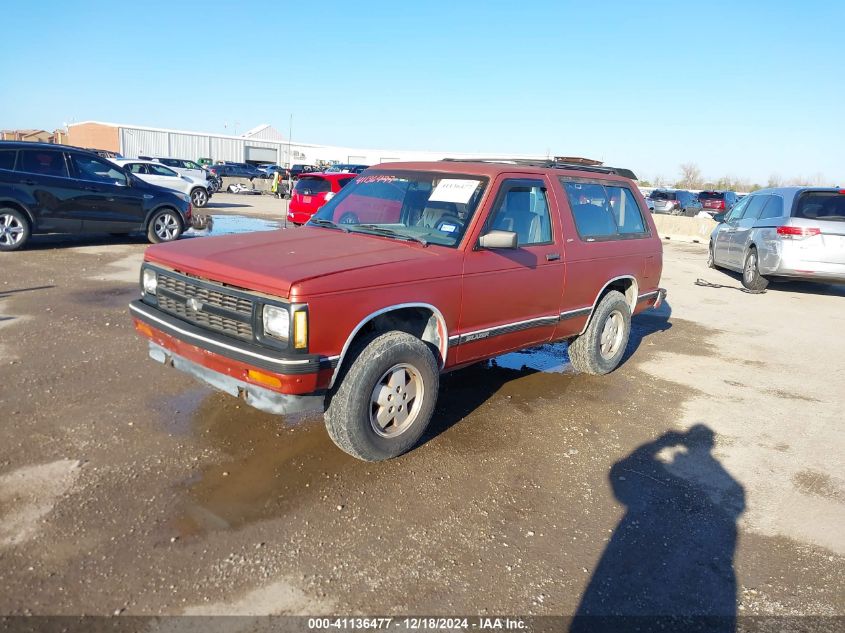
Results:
<point x="454" y="190"/>
<point x="448" y="228"/>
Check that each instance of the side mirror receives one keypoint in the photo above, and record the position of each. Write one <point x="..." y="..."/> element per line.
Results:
<point x="719" y="217"/>
<point x="498" y="239"/>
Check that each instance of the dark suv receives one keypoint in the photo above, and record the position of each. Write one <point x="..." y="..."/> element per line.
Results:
<point x="675" y="202"/>
<point x="46" y="188"/>
<point x="718" y="201"/>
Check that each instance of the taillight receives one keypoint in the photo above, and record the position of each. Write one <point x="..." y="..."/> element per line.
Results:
<point x="798" y="232"/>
<point x="720" y="204"/>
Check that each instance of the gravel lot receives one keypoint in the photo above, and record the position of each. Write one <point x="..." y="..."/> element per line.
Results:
<point x="705" y="475"/>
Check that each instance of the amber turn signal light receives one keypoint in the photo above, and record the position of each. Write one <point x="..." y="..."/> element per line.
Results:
<point x="264" y="379"/>
<point x="300" y="329"/>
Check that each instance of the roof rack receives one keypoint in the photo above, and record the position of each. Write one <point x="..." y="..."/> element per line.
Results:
<point x="553" y="164"/>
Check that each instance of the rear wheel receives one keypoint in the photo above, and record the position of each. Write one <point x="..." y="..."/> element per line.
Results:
<point x="199" y="197"/>
<point x="600" y="348"/>
<point x="14" y="229"/>
<point x="164" y="226"/>
<point x="385" y="400"/>
<point x="751" y="277"/>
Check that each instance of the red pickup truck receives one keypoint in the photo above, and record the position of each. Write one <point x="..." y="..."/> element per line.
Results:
<point x="411" y="270"/>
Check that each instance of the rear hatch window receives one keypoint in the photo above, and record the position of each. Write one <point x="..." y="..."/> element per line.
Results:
<point x="711" y="195"/>
<point x="309" y="186"/>
<point x="821" y="205"/>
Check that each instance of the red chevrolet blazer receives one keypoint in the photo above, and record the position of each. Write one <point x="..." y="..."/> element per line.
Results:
<point x="411" y="270"/>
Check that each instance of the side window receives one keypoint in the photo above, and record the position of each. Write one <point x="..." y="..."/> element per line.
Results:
<point x="91" y="168"/>
<point x="137" y="168"/>
<point x="161" y="170"/>
<point x="523" y="208"/>
<point x="7" y="158"/>
<point x="626" y="211"/>
<point x="774" y="208"/>
<point x="46" y="162"/>
<point x="738" y="208"/>
<point x="754" y="207"/>
<point x="604" y="212"/>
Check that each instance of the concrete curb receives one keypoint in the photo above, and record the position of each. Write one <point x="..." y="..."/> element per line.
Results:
<point x="683" y="229"/>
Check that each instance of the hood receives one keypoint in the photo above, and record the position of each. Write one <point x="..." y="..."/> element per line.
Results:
<point x="276" y="261"/>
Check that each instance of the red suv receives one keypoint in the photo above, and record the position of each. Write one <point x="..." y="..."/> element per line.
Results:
<point x="312" y="191"/>
<point x="411" y="270"/>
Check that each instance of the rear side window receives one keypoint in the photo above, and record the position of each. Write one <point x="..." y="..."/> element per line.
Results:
<point x="310" y="186"/>
<point x="46" y="162"/>
<point x="137" y="168"/>
<point x="773" y="208"/>
<point x="821" y="205"/>
<point x="663" y="195"/>
<point x="7" y="158"/>
<point x="604" y="212"/>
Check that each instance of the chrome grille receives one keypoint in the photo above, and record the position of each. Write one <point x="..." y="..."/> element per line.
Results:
<point x="185" y="290"/>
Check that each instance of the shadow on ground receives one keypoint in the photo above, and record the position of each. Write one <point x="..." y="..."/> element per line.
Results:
<point x="669" y="564"/>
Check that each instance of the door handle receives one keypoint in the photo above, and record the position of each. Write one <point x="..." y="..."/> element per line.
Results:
<point x="552" y="257"/>
<point x="91" y="188"/>
<point x="27" y="182"/>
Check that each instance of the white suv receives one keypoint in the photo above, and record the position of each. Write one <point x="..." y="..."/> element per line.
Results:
<point x="199" y="189"/>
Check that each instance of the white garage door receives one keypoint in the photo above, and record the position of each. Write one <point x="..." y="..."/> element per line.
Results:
<point x="262" y="154"/>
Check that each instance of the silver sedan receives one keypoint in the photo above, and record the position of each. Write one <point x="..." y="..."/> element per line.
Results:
<point x="790" y="232"/>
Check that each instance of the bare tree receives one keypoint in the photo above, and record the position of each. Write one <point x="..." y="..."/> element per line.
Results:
<point x="775" y="181"/>
<point x="690" y="176"/>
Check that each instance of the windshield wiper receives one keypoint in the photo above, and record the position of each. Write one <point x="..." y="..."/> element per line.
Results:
<point x="381" y="230"/>
<point x="328" y="224"/>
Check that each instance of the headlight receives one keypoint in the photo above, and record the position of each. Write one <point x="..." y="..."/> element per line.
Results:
<point x="149" y="282"/>
<point x="276" y="322"/>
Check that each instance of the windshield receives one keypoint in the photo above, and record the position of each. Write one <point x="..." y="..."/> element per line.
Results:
<point x="663" y="195"/>
<point x="430" y="207"/>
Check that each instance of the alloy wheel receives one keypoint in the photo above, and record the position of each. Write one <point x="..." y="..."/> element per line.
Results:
<point x="11" y="230"/>
<point x="396" y="400"/>
<point x="166" y="227"/>
<point x="612" y="334"/>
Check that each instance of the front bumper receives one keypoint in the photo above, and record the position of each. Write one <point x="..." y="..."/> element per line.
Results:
<point x="293" y="374"/>
<point x="255" y="396"/>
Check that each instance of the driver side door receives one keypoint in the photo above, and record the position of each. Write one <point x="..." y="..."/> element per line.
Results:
<point x="511" y="297"/>
<point x="724" y="234"/>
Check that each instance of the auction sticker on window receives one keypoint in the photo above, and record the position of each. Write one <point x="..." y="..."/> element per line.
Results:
<point x="454" y="190"/>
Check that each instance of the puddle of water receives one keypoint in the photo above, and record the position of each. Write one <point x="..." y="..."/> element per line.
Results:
<point x="550" y="359"/>
<point x="233" y="225"/>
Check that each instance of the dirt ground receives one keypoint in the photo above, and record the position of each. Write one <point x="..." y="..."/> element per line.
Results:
<point x="705" y="475"/>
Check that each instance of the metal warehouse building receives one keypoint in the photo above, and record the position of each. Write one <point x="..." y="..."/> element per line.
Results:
<point x="263" y="144"/>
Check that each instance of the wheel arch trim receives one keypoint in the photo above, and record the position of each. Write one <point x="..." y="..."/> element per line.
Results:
<point x="17" y="204"/>
<point x="443" y="332"/>
<point x="632" y="301"/>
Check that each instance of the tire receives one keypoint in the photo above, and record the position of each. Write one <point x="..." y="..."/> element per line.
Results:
<point x="199" y="197"/>
<point x="164" y="226"/>
<point x="14" y="229"/>
<point x="600" y="349"/>
<point x="711" y="257"/>
<point x="359" y="416"/>
<point x="751" y="277"/>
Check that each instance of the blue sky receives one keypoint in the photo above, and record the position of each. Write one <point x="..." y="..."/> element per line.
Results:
<point x="743" y="88"/>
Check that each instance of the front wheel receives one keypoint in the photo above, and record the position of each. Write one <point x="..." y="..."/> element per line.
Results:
<point x="199" y="197"/>
<point x="14" y="229"/>
<point x="711" y="257"/>
<point x="164" y="226"/>
<point x="384" y="401"/>
<point x="751" y="277"/>
<point x="600" y="348"/>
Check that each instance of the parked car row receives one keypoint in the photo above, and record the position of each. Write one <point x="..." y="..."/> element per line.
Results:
<point x="48" y="188"/>
<point x="687" y="203"/>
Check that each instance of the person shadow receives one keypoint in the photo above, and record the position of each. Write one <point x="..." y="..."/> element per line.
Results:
<point x="669" y="563"/>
